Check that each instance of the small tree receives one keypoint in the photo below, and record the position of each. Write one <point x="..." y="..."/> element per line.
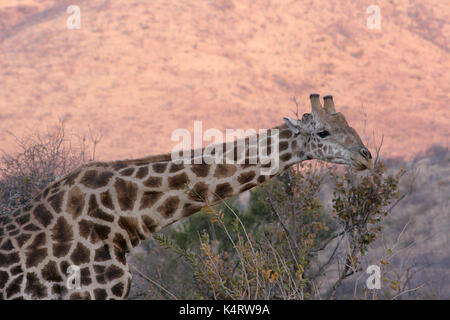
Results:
<point x="40" y="159"/>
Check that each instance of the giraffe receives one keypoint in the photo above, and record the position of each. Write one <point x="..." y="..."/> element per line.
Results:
<point x="93" y="216"/>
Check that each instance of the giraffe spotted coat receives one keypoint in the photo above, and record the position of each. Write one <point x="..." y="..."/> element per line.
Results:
<point x="92" y="217"/>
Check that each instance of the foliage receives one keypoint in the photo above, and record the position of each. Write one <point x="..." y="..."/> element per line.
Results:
<point x="41" y="159"/>
<point x="275" y="248"/>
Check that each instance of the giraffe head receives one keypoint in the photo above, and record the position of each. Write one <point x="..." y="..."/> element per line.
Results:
<point x="324" y="134"/>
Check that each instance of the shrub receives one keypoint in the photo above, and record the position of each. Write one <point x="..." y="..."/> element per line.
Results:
<point x="40" y="160"/>
<point x="287" y="240"/>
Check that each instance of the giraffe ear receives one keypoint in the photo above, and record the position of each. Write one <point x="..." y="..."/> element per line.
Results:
<point x="294" y="124"/>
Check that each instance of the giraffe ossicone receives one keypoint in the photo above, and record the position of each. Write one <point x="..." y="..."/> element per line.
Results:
<point x="91" y="217"/>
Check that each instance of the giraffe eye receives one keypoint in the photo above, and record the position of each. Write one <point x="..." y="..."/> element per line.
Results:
<point x="323" y="134"/>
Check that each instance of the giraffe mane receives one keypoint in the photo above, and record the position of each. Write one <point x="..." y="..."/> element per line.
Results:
<point x="162" y="157"/>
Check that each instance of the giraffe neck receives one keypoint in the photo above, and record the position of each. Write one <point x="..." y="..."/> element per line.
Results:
<point x="151" y="193"/>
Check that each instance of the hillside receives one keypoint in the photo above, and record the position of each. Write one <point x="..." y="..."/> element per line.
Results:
<point x="136" y="71"/>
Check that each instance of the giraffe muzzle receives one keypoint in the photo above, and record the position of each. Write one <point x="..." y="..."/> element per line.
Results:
<point x="363" y="160"/>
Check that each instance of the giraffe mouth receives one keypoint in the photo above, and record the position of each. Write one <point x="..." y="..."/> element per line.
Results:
<point x="362" y="164"/>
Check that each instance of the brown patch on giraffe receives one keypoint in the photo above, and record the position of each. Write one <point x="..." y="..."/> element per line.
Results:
<point x="31" y="227"/>
<point x="14" y="287"/>
<point x="3" y="279"/>
<point x="245" y="177"/>
<point x="223" y="190"/>
<point x="200" y="170"/>
<point x="153" y="182"/>
<point x="159" y="167"/>
<point x="247" y="187"/>
<point x="95" y="212"/>
<point x="142" y="172"/>
<point x="119" y="165"/>
<point x="36" y="251"/>
<point x="16" y="270"/>
<point x="224" y="170"/>
<point x="11" y="226"/>
<point x="189" y="209"/>
<point x="149" y="224"/>
<point x="7" y="245"/>
<point x="8" y="259"/>
<point x="261" y="179"/>
<point x="285" y="134"/>
<point x="85" y="276"/>
<point x="127" y="172"/>
<point x="23" y="218"/>
<point x="126" y="193"/>
<point x="102" y="254"/>
<point x="80" y="254"/>
<point x="169" y="206"/>
<point x="105" y="198"/>
<point x="286" y="157"/>
<point x="6" y="219"/>
<point x="33" y="287"/>
<point x="85" y="295"/>
<point x="178" y="181"/>
<point x="42" y="215"/>
<point x="117" y="290"/>
<point x="301" y="154"/>
<point x="64" y="266"/>
<point x="62" y="236"/>
<point x="56" y="201"/>
<point x="70" y="179"/>
<point x="283" y="145"/>
<point x="199" y="192"/>
<point x="96" y="179"/>
<point x="50" y="272"/>
<point x="100" y="294"/>
<point x="120" y="248"/>
<point x="176" y="167"/>
<point x="293" y="144"/>
<point x="100" y="164"/>
<point x="131" y="226"/>
<point x="59" y="290"/>
<point x="113" y="272"/>
<point x="75" y="202"/>
<point x="92" y="231"/>
<point x="149" y="198"/>
<point x="22" y="238"/>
